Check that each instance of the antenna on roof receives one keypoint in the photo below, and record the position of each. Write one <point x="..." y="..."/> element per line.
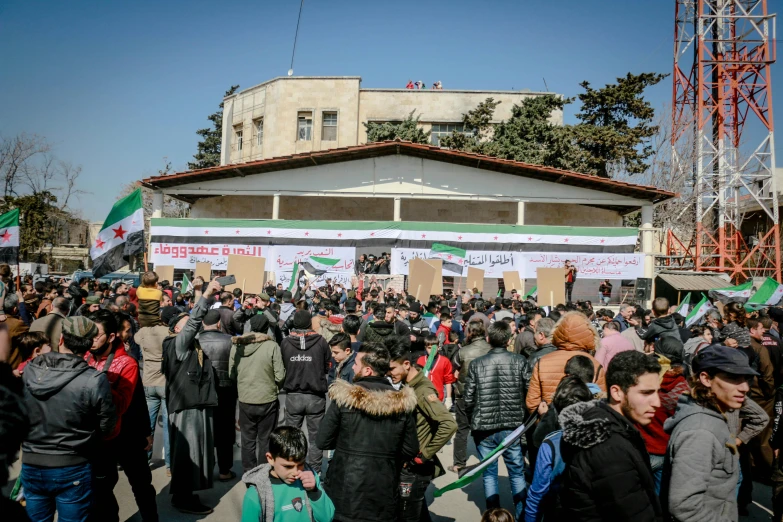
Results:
<point x="296" y="35"/>
<point x="545" y="85"/>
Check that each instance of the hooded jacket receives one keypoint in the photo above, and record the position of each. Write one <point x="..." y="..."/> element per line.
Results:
<point x="267" y="496"/>
<point x="256" y="365"/>
<point x="573" y="335"/>
<point x="608" y="475"/>
<point x="673" y="385"/>
<point x="70" y="406"/>
<point x="662" y="327"/>
<point x="372" y="428"/>
<point x="702" y="465"/>
<point x="306" y="357"/>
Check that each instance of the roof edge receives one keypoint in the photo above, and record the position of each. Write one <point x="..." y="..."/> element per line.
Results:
<point x="277" y="78"/>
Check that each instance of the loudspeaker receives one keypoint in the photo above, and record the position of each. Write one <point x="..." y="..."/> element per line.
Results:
<point x="643" y="289"/>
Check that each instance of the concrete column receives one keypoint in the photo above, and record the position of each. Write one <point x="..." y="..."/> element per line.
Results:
<point x="397" y="206"/>
<point x="647" y="241"/>
<point x="520" y="212"/>
<point x="157" y="204"/>
<point x="276" y="206"/>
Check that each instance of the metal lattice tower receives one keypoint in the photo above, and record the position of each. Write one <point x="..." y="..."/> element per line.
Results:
<point x="722" y="111"/>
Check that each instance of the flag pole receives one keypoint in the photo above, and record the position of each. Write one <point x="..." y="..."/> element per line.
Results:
<point x="18" y="272"/>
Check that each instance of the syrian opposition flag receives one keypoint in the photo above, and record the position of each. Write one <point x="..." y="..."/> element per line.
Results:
<point x="699" y="311"/>
<point x="532" y="293"/>
<point x="471" y="473"/>
<point x="121" y="237"/>
<point x="739" y="293"/>
<point x="186" y="284"/>
<point x="294" y="278"/>
<point x="685" y="306"/>
<point x="770" y="294"/>
<point x="9" y="237"/>
<point x="318" y="265"/>
<point x="453" y="257"/>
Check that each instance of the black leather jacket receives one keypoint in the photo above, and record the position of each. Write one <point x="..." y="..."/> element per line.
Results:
<point x="495" y="391"/>
<point x="217" y="346"/>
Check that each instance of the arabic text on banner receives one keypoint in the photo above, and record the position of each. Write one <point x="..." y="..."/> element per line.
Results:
<point x="401" y="258"/>
<point x="342" y="278"/>
<point x="187" y="255"/>
<point x="589" y="266"/>
<point x="283" y="257"/>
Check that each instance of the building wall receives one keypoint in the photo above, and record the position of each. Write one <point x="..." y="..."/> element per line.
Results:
<point x="278" y="101"/>
<point x="570" y="215"/>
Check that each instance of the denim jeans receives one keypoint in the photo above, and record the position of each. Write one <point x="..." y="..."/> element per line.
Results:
<point x="656" y="463"/>
<point x="67" y="490"/>
<point x="156" y="401"/>
<point x="486" y="441"/>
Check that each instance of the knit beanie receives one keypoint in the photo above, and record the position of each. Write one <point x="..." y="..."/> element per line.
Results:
<point x="302" y="320"/>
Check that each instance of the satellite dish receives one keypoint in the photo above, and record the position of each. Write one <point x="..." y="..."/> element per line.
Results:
<point x="290" y="72"/>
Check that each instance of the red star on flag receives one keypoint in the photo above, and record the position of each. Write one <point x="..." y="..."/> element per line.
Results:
<point x="340" y="234"/>
<point x="99" y="243"/>
<point x="423" y="236"/>
<point x="268" y="232"/>
<point x="119" y="232"/>
<point x="307" y="233"/>
<point x="372" y="234"/>
<point x="237" y="231"/>
<point x="603" y="240"/>
<point x="206" y="231"/>
<point x="459" y="237"/>
<point x="6" y="236"/>
<point x="449" y="257"/>
<point x="530" y="238"/>
<point x="566" y="240"/>
<point x="496" y="238"/>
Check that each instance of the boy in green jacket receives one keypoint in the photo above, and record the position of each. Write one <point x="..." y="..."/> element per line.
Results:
<point x="283" y="490"/>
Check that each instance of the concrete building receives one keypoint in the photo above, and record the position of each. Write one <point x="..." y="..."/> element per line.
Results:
<point x="291" y="115"/>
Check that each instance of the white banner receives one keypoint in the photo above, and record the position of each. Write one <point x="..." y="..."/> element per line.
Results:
<point x="494" y="263"/>
<point x="187" y="255"/>
<point x="589" y="266"/>
<point x="342" y="278"/>
<point x="401" y="258"/>
<point x="284" y="256"/>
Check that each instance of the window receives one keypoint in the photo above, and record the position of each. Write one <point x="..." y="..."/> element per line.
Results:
<point x="329" y="129"/>
<point x="259" y="124"/>
<point x="305" y="121"/>
<point x="238" y="135"/>
<point x="445" y="129"/>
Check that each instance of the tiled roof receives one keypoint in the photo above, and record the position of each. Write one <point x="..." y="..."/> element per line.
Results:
<point x="386" y="148"/>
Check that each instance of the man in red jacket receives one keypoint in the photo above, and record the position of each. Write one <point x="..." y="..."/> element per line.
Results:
<point x="108" y="356"/>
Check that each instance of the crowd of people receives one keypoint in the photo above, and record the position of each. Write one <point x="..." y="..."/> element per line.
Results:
<point x="437" y="86"/>
<point x="632" y="416"/>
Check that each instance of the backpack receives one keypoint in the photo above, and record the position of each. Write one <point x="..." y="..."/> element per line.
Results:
<point x="551" y="507"/>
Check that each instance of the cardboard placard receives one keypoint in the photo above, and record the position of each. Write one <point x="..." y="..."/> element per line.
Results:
<point x="437" y="283"/>
<point x="204" y="271"/>
<point x="475" y="279"/>
<point x="551" y="286"/>
<point x="165" y="273"/>
<point x="249" y="273"/>
<point x="420" y="279"/>
<point x="512" y="281"/>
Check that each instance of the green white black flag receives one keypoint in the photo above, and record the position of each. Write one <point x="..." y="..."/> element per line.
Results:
<point x="699" y="311"/>
<point x="121" y="237"/>
<point x="9" y="237"/>
<point x="739" y="293"/>
<point x="769" y="294"/>
<point x="453" y="257"/>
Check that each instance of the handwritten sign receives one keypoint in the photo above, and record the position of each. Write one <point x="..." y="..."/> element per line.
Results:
<point x="183" y="255"/>
<point x="283" y="257"/>
<point x="589" y="266"/>
<point x="402" y="257"/>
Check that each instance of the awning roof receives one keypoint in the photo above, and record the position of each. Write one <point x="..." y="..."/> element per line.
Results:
<point x="386" y="148"/>
<point x="690" y="281"/>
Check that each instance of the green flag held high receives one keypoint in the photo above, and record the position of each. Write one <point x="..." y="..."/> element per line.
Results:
<point x="532" y="293"/>
<point x="769" y="294"/>
<point x="186" y="284"/>
<point x="9" y="237"/>
<point x="121" y="237"/>
<point x="453" y="257"/>
<point x="739" y="293"/>
<point x="699" y="311"/>
<point x="294" y="277"/>
<point x="685" y="306"/>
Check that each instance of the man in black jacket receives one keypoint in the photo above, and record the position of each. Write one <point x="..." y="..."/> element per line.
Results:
<point x="68" y="401"/>
<point x="608" y="474"/>
<point x="372" y="428"/>
<point x="494" y="390"/>
<point x="217" y="346"/>
<point x="306" y="357"/>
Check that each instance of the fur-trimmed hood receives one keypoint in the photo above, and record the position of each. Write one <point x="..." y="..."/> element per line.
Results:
<point x="587" y="424"/>
<point x="251" y="338"/>
<point x="374" y="400"/>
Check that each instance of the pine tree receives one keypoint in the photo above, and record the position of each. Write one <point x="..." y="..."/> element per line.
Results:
<point x="208" y="154"/>
<point x="407" y="130"/>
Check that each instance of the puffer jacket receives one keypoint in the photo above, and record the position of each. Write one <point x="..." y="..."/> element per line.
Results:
<point x="495" y="390"/>
<point x="370" y="426"/>
<point x="573" y="335"/>
<point x="702" y="465"/>
<point x="607" y="475"/>
<point x="465" y="356"/>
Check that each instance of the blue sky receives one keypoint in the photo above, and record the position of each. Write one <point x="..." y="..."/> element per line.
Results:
<point x="118" y="86"/>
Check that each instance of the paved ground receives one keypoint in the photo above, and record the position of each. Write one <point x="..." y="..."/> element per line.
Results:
<point x="462" y="505"/>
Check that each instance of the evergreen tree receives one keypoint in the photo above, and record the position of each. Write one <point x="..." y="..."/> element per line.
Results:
<point x="208" y="154"/>
<point x="407" y="130"/>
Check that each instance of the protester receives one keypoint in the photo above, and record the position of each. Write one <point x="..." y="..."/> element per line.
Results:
<point x="51" y="323"/>
<point x="342" y="358"/>
<point x="702" y="457"/>
<point x="30" y="346"/>
<point x="306" y="357"/>
<point x="623" y="316"/>
<point x="545" y="327"/>
<point x="371" y="427"/>
<point x="762" y="391"/>
<point x="573" y="335"/>
<point x="525" y="343"/>
<point x="418" y="326"/>
<point x="283" y="489"/>
<point x="605" y="292"/>
<point x="570" y="279"/>
<point x="612" y="343"/>
<point x="441" y="372"/>
<point x="68" y="409"/>
<point x="191" y="396"/>
<point x="256" y="365"/>
<point x="607" y="474"/>
<point x="494" y="392"/>
<point x="434" y="427"/>
<point x="217" y="347"/>
<point x="635" y="331"/>
<point x="149" y="296"/>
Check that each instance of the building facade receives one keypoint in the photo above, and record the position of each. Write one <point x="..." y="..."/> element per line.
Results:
<point x="291" y="115"/>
